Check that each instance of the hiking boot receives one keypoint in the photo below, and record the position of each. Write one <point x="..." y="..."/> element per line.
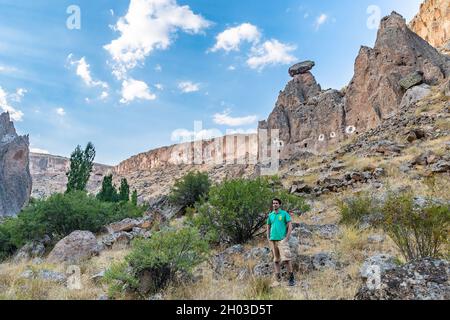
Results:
<point x="291" y="281"/>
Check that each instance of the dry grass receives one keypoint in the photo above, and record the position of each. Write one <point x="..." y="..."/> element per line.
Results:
<point x="14" y="287"/>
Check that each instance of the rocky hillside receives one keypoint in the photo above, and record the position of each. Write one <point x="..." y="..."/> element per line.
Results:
<point x="391" y="130"/>
<point x="432" y="23"/>
<point x="313" y="120"/>
<point x="49" y="175"/>
<point x="15" y="179"/>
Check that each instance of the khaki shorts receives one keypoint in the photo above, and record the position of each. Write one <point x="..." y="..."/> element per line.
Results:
<point x="281" y="251"/>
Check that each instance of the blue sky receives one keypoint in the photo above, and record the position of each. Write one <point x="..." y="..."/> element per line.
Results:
<point x="137" y="74"/>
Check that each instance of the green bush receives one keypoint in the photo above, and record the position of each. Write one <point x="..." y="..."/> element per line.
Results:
<point x="361" y="206"/>
<point x="190" y="189"/>
<point x="58" y="216"/>
<point x="153" y="263"/>
<point x="236" y="210"/>
<point x="7" y="247"/>
<point x="418" y="231"/>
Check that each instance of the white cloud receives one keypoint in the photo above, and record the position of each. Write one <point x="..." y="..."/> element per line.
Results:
<point x="159" y="86"/>
<point x="231" y="68"/>
<point x="147" y="26"/>
<point x="321" y="20"/>
<point x="183" y="135"/>
<point x="271" y="52"/>
<point x="134" y="89"/>
<point x="241" y="131"/>
<point x="158" y="68"/>
<point x="224" y="118"/>
<point x="84" y="72"/>
<point x="60" y="112"/>
<point x="16" y="115"/>
<point x="104" y="95"/>
<point x="188" y="86"/>
<point x="231" y="39"/>
<point x="38" y="150"/>
<point x="6" y="69"/>
<point x="20" y="93"/>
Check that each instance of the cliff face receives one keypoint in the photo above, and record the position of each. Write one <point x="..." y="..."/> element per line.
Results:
<point x="49" y="175"/>
<point x="234" y="149"/>
<point x="153" y="173"/>
<point x="312" y="120"/>
<point x="15" y="179"/>
<point x="432" y="23"/>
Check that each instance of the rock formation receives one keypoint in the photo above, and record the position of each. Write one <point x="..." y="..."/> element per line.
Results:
<point x="425" y="279"/>
<point x="229" y="149"/>
<point x="432" y="23"/>
<point x="49" y="175"/>
<point x="310" y="119"/>
<point x="15" y="178"/>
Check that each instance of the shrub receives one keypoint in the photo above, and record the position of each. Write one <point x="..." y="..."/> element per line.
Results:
<point x="190" y="189"/>
<point x="7" y="247"/>
<point x="59" y="215"/>
<point x="354" y="210"/>
<point x="153" y="263"/>
<point x="418" y="231"/>
<point x="236" y="210"/>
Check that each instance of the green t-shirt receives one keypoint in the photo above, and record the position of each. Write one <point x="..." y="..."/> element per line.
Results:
<point x="278" y="224"/>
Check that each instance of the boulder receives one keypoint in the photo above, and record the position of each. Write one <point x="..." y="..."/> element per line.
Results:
<point x="29" y="251"/>
<point x="384" y="262"/>
<point x="47" y="275"/>
<point x="76" y="247"/>
<point x="415" y="94"/>
<point x="426" y="279"/>
<point x="301" y="67"/>
<point x="15" y="178"/>
<point x="124" y="225"/>
<point x="441" y="166"/>
<point x="413" y="79"/>
<point x="324" y="260"/>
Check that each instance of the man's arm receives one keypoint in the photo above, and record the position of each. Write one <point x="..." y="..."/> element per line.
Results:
<point x="289" y="230"/>
<point x="268" y="232"/>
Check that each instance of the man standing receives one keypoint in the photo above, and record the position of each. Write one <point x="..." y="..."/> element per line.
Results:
<point x="279" y="228"/>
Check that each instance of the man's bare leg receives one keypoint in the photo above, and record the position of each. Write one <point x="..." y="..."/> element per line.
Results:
<point x="277" y="268"/>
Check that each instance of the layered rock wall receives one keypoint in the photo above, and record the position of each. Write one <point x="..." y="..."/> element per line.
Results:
<point x="432" y="23"/>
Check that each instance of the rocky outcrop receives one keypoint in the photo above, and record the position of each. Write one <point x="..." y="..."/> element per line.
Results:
<point x="312" y="120"/>
<point x="425" y="279"/>
<point x="49" y="175"/>
<point x="432" y="23"/>
<point x="376" y="91"/>
<point x="15" y="178"/>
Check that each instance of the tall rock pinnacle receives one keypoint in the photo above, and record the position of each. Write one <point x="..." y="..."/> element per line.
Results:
<point x="15" y="178"/>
